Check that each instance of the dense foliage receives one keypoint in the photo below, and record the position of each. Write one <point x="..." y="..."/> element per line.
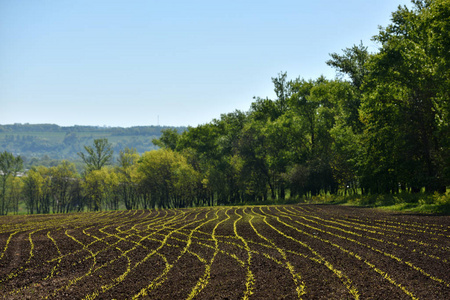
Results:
<point x="381" y="127"/>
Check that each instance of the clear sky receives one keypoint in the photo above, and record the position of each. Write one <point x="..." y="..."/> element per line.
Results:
<point x="124" y="63"/>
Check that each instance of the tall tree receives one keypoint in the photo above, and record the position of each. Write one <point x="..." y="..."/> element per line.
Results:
<point x="128" y="177"/>
<point x="98" y="155"/>
<point x="95" y="187"/>
<point x="15" y="193"/>
<point x="63" y="181"/>
<point x="37" y="190"/>
<point x="9" y="167"/>
<point x="254" y="151"/>
<point x="406" y="99"/>
<point x="281" y="89"/>
<point x="170" y="180"/>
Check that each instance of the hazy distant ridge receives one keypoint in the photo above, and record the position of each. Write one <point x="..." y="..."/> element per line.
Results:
<point x="63" y="142"/>
<point x="18" y="127"/>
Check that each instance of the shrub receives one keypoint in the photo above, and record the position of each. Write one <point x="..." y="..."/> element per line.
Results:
<point x="440" y="199"/>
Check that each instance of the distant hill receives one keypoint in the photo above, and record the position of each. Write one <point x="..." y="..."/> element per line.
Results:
<point x="53" y="142"/>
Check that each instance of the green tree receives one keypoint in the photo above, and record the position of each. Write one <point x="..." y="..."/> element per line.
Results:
<point x="64" y="179"/>
<point x="203" y="149"/>
<point x="98" y="155"/>
<point x="170" y="180"/>
<point x="306" y="108"/>
<point x="314" y="105"/>
<point x="282" y="90"/>
<point x="15" y="193"/>
<point x="128" y="189"/>
<point x="169" y="138"/>
<point x="405" y="106"/>
<point x="37" y="190"/>
<point x="253" y="150"/>
<point x="99" y="187"/>
<point x="9" y="167"/>
<point x="282" y="139"/>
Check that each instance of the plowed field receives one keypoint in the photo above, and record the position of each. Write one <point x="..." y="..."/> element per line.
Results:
<point x="270" y="252"/>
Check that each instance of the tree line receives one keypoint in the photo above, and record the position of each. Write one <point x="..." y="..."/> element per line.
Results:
<point x="155" y="179"/>
<point x="381" y="127"/>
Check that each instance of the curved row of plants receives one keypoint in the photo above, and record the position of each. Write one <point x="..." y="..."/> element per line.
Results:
<point x="305" y="251"/>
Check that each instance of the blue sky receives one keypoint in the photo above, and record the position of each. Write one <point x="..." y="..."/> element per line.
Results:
<point x="124" y="63"/>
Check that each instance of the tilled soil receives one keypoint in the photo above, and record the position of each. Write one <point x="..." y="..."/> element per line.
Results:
<point x="268" y="252"/>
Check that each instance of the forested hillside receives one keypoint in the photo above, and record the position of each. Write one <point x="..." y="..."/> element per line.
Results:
<point x="41" y="142"/>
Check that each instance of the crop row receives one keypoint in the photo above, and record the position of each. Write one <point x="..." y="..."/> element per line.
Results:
<point x="236" y="252"/>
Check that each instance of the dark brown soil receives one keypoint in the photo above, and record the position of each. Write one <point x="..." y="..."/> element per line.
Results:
<point x="270" y="252"/>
